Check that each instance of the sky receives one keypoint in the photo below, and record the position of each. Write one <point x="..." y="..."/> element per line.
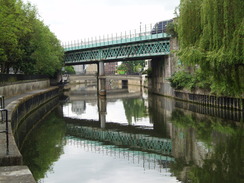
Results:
<point x="82" y="19"/>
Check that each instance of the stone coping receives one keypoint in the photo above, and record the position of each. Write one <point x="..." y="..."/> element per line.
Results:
<point x="20" y="82"/>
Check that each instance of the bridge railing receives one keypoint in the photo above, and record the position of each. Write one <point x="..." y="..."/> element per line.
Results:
<point x="143" y="33"/>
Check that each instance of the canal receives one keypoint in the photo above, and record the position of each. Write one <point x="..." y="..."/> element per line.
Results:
<point x="131" y="136"/>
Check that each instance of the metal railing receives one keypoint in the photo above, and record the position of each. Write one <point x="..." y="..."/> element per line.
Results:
<point x="4" y="119"/>
<point x="2" y="104"/>
<point x="144" y="32"/>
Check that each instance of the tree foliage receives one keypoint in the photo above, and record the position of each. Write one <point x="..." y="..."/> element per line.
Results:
<point x="26" y="44"/>
<point x="69" y="70"/>
<point x="131" y="67"/>
<point x="183" y="79"/>
<point x="171" y="30"/>
<point x="211" y="35"/>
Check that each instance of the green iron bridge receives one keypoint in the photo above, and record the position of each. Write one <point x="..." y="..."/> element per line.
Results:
<point x="129" y="46"/>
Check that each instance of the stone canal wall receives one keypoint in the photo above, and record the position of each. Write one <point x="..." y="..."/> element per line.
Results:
<point x="158" y="84"/>
<point x="18" y="110"/>
<point x="84" y="79"/>
<point x="15" y="88"/>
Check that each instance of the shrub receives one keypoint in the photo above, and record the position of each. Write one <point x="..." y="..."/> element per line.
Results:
<point x="180" y="80"/>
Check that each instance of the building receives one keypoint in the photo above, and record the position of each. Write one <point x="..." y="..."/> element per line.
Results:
<point x="110" y="68"/>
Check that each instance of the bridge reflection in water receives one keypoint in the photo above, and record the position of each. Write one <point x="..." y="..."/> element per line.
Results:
<point x="100" y="130"/>
<point x="149" y="161"/>
<point x="138" y="141"/>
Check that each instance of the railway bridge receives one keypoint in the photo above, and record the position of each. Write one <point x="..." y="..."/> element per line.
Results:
<point x="147" y="43"/>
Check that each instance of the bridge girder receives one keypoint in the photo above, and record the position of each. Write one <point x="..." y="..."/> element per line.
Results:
<point x="133" y="51"/>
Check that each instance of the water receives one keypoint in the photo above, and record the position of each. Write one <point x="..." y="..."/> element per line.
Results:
<point x="132" y="137"/>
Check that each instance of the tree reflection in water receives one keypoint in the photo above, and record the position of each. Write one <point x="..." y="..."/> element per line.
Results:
<point x="222" y="140"/>
<point x="44" y="145"/>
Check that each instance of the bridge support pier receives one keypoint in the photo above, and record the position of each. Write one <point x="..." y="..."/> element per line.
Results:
<point x="162" y="68"/>
<point x="101" y="79"/>
<point x="102" y="109"/>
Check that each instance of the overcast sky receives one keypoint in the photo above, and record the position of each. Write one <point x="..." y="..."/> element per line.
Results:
<point x="79" y="19"/>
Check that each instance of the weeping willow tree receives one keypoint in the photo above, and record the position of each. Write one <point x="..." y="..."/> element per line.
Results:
<point x="211" y="37"/>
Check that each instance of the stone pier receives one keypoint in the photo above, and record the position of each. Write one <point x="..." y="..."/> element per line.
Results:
<point x="102" y="109"/>
<point x="101" y="79"/>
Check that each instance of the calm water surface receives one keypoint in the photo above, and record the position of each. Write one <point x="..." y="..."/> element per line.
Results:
<point x="132" y="137"/>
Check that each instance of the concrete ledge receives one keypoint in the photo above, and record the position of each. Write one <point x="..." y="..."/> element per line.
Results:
<point x="16" y="174"/>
